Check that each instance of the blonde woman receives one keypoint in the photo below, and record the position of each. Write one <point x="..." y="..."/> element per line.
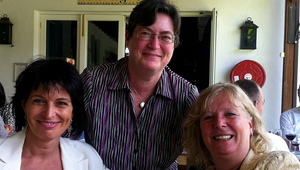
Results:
<point x="225" y="131"/>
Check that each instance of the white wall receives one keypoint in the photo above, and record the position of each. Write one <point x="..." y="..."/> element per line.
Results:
<point x="267" y="14"/>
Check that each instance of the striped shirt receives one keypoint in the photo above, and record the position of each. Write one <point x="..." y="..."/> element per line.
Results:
<point x="152" y="141"/>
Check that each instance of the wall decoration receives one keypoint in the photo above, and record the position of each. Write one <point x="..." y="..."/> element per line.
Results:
<point x="248" y="35"/>
<point x="6" y="30"/>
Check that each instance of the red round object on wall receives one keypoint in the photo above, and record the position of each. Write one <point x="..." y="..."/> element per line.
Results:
<point x="248" y="69"/>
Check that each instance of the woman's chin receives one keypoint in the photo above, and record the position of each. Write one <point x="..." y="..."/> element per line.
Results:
<point x="223" y="150"/>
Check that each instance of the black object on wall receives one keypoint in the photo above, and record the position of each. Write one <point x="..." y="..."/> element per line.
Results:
<point x="248" y="35"/>
<point x="5" y="30"/>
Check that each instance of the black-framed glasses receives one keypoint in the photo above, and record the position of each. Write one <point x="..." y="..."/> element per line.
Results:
<point x="146" y="35"/>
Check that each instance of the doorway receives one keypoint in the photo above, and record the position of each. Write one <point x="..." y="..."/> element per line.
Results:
<point x="191" y="59"/>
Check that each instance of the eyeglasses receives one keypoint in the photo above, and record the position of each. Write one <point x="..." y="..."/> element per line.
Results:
<point x="146" y="35"/>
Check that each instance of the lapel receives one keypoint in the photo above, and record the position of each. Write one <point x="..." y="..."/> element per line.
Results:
<point x="11" y="151"/>
<point x="72" y="158"/>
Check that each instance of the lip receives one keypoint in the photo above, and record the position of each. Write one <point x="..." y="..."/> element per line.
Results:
<point x="48" y="124"/>
<point x="223" y="137"/>
<point x="151" y="54"/>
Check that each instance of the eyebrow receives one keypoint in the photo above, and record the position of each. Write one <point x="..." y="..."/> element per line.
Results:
<point x="162" y="32"/>
<point x="224" y="109"/>
<point x="64" y="99"/>
<point x="37" y="95"/>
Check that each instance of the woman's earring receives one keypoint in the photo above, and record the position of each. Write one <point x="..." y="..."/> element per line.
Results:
<point x="70" y="128"/>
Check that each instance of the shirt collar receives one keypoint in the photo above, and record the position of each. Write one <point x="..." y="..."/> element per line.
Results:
<point x="121" y="80"/>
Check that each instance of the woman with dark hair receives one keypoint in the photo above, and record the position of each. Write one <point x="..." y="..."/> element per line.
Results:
<point x="48" y="102"/>
<point x="136" y="105"/>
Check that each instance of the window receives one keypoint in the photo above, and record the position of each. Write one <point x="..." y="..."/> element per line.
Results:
<point x="96" y="39"/>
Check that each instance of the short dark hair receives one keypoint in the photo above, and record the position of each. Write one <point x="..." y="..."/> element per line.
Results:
<point x="48" y="73"/>
<point x="250" y="87"/>
<point x="145" y="14"/>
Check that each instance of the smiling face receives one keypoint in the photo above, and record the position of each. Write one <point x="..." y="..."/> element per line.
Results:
<point x="48" y="113"/>
<point x="151" y="55"/>
<point x="225" y="128"/>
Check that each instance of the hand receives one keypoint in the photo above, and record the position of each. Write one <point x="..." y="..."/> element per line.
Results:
<point x="8" y="129"/>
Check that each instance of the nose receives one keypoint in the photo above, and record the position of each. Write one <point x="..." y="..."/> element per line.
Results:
<point x="49" y="111"/>
<point x="220" y="122"/>
<point x="154" y="43"/>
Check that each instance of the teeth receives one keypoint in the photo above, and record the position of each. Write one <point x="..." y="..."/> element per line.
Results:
<point x="226" y="137"/>
<point x="48" y="123"/>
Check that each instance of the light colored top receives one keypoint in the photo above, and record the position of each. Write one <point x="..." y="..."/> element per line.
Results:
<point x="74" y="154"/>
<point x="274" y="160"/>
<point x="279" y="160"/>
<point x="151" y="141"/>
<point x="278" y="143"/>
<point x="289" y="118"/>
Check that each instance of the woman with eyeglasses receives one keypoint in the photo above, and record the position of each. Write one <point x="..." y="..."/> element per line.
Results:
<point x="135" y="106"/>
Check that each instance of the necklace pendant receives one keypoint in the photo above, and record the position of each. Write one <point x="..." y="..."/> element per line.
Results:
<point x="142" y="104"/>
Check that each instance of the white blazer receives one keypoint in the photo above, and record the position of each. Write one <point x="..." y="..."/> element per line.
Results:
<point x="74" y="154"/>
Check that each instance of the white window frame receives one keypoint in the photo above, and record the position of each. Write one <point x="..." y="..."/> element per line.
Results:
<point x="84" y="38"/>
<point x="84" y="17"/>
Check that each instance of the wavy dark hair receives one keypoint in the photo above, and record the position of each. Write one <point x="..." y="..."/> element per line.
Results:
<point x="144" y="14"/>
<point x="50" y="73"/>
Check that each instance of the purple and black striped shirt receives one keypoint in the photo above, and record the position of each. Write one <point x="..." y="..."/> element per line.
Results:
<point x="152" y="141"/>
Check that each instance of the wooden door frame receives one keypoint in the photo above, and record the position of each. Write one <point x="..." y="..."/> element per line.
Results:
<point x="288" y="64"/>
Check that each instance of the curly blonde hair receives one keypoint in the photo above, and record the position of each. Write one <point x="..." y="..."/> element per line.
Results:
<point x="197" y="152"/>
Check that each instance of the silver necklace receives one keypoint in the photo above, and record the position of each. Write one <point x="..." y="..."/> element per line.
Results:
<point x="142" y="104"/>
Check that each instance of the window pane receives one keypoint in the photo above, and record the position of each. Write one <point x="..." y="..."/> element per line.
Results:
<point x="102" y="42"/>
<point x="61" y="40"/>
<point x="191" y="58"/>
